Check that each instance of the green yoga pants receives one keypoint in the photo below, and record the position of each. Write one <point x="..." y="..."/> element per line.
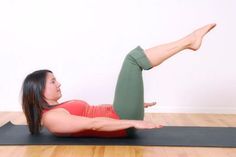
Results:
<point x="129" y="96"/>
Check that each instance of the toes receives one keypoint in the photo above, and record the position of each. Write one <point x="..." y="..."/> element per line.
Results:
<point x="207" y="28"/>
<point x="212" y="26"/>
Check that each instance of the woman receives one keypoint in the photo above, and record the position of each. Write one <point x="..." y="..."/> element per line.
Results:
<point x="41" y="92"/>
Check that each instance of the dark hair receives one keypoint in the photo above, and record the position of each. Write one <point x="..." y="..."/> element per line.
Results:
<point x="33" y="101"/>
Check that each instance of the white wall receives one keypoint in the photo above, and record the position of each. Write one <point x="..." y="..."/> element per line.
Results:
<point x="84" y="42"/>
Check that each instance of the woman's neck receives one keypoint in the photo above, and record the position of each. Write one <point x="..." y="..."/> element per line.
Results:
<point x="52" y="102"/>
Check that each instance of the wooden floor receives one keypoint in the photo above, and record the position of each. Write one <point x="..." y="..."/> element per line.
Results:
<point x="128" y="151"/>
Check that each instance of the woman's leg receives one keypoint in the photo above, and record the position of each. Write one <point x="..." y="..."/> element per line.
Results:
<point x="160" y="53"/>
<point x="128" y="101"/>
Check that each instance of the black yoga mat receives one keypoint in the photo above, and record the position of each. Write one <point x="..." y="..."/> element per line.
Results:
<point x="167" y="136"/>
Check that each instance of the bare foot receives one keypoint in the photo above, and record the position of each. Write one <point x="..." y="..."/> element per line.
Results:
<point x="146" y="105"/>
<point x="196" y="37"/>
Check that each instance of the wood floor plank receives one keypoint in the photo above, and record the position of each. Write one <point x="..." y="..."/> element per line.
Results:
<point x="177" y="119"/>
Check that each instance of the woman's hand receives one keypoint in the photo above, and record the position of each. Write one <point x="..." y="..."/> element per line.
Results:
<point x="139" y="124"/>
<point x="149" y="104"/>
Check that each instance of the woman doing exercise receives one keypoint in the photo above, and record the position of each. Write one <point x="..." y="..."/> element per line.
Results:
<point x="41" y="93"/>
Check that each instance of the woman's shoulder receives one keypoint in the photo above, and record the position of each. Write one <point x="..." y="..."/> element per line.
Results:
<point x="51" y="114"/>
<point x="75" y="107"/>
<point x="67" y="105"/>
<point x="55" y="111"/>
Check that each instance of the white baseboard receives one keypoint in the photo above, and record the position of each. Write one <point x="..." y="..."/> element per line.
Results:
<point x="160" y="109"/>
<point x="178" y="109"/>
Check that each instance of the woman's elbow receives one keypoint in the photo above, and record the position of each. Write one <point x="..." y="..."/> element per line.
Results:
<point x="97" y="126"/>
<point x="54" y="130"/>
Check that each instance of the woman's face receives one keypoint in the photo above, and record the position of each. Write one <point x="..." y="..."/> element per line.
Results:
<point x="52" y="90"/>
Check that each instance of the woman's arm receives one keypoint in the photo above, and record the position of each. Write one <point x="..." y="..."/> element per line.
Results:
<point x="145" y="105"/>
<point x="60" y="121"/>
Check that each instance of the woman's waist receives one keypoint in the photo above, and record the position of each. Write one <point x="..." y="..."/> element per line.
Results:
<point x="104" y="110"/>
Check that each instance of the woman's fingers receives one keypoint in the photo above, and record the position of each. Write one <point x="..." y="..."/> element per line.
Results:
<point x="146" y="105"/>
<point x="159" y="126"/>
<point x="146" y="125"/>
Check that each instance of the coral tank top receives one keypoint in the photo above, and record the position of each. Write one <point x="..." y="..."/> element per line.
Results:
<point x="81" y="108"/>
